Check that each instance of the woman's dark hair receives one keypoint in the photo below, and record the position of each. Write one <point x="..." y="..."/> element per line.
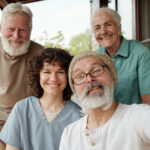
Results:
<point x="49" y="55"/>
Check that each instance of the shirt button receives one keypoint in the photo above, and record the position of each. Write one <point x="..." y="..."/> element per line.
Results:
<point x="86" y="134"/>
<point x="93" y="143"/>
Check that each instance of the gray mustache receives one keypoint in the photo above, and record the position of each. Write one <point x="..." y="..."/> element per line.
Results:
<point x="91" y="85"/>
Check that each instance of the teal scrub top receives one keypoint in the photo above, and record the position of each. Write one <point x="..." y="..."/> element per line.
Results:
<point x="28" y="129"/>
<point x="132" y="62"/>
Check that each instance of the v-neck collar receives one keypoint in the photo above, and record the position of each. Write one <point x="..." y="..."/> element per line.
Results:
<point x="64" y="110"/>
<point x="122" y="51"/>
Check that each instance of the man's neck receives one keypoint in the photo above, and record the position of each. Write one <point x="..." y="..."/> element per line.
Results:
<point x="112" y="51"/>
<point x="98" y="117"/>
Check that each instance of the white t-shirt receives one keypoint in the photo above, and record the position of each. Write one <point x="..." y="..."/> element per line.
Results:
<point x="128" y="129"/>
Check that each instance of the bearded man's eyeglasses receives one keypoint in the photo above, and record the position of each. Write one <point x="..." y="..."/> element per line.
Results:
<point x="94" y="72"/>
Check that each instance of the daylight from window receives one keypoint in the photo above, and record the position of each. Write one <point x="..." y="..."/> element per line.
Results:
<point x="52" y="17"/>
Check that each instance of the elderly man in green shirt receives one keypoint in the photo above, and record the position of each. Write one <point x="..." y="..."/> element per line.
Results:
<point x="131" y="58"/>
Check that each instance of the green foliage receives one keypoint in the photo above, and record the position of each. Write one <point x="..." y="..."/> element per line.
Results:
<point x="81" y="42"/>
<point x="78" y="43"/>
<point x="56" y="41"/>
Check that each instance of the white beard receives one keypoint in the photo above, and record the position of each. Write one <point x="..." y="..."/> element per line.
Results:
<point x="99" y="99"/>
<point x="15" y="52"/>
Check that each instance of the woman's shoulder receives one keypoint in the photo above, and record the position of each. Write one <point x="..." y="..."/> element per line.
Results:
<point x="73" y="105"/>
<point x="73" y="110"/>
<point x="26" y="102"/>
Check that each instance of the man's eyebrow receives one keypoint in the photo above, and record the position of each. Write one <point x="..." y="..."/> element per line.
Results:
<point x="109" y="21"/>
<point x="75" y="71"/>
<point x="80" y="69"/>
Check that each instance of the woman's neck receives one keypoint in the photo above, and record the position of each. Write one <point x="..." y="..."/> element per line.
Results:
<point x="51" y="103"/>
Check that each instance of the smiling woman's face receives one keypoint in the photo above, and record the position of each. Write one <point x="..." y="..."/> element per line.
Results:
<point x="53" y="79"/>
<point x="106" y="30"/>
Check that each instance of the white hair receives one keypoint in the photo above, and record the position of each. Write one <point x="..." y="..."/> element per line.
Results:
<point x="14" y="8"/>
<point x="103" y="100"/>
<point x="15" y="51"/>
<point x="116" y="17"/>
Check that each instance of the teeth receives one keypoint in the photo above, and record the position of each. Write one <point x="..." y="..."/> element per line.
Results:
<point x="94" y="88"/>
<point x="106" y="38"/>
<point x="52" y="85"/>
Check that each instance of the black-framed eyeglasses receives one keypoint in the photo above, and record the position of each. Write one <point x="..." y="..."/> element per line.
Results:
<point x="94" y="72"/>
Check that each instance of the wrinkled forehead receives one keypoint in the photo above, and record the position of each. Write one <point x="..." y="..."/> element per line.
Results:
<point x="86" y="63"/>
<point x="16" y="14"/>
<point x="102" y="17"/>
<point x="10" y="19"/>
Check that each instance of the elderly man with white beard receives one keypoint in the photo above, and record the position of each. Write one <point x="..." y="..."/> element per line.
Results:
<point x="16" y="49"/>
<point x="106" y="125"/>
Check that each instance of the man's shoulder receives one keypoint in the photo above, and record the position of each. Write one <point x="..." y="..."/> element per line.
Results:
<point x="133" y="111"/>
<point x="72" y="111"/>
<point x="34" y="49"/>
<point x="73" y="105"/>
<point x="138" y="46"/>
<point x="26" y="103"/>
<point x="139" y="107"/>
<point x="35" y="46"/>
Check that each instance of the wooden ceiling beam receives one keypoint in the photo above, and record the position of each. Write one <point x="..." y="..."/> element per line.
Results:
<point x="22" y="1"/>
<point x="3" y="3"/>
<point x="29" y="1"/>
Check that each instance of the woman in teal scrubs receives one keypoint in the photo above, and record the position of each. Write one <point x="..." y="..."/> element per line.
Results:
<point x="37" y="122"/>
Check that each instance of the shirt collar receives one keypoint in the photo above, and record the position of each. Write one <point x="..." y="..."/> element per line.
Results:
<point x="124" y="48"/>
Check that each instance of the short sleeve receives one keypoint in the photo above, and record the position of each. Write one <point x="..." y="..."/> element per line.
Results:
<point x="144" y="73"/>
<point x="10" y="133"/>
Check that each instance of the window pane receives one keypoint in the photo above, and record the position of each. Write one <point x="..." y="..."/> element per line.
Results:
<point x="125" y="11"/>
<point x="145" y="22"/>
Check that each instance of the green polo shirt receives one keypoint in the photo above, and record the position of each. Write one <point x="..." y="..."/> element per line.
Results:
<point x="132" y="62"/>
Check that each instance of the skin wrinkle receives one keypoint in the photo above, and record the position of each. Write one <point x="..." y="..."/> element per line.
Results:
<point x="106" y="31"/>
<point x="96" y="94"/>
<point x="16" y="32"/>
<point x="89" y="95"/>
